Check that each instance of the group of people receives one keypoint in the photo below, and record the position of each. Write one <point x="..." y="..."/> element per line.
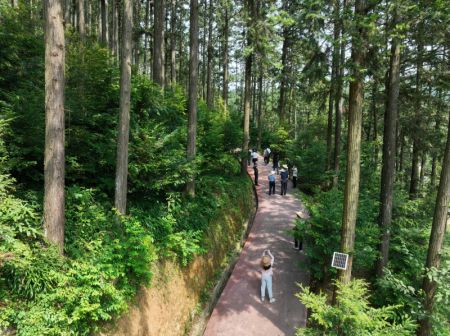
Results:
<point x="284" y="177"/>
<point x="284" y="172"/>
<point x="267" y="258"/>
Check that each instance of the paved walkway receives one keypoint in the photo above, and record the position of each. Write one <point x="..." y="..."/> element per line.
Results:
<point x="239" y="310"/>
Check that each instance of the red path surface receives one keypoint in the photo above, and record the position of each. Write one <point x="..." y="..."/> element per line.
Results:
<point x="239" y="310"/>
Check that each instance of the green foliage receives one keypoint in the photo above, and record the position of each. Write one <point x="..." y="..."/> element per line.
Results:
<point x="324" y="227"/>
<point x="352" y="314"/>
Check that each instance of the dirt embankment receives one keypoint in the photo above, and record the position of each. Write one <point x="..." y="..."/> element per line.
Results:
<point x="170" y="305"/>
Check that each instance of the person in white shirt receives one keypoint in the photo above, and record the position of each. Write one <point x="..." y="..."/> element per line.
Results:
<point x="254" y="157"/>
<point x="294" y="177"/>
<point x="266" y="275"/>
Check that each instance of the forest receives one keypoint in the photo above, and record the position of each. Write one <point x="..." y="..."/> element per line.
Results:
<point x="125" y="127"/>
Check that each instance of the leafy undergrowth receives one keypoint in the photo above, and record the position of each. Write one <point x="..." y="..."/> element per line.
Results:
<point x="105" y="262"/>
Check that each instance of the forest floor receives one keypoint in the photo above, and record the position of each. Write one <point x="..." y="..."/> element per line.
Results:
<point x="239" y="310"/>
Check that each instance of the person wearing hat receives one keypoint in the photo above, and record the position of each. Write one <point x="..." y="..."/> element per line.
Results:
<point x="284" y="179"/>
<point x="272" y="182"/>
<point x="266" y="275"/>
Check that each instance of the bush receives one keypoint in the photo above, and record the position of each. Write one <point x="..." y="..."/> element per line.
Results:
<point x="352" y="314"/>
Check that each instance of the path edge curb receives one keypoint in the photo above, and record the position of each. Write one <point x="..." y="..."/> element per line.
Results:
<point x="201" y="321"/>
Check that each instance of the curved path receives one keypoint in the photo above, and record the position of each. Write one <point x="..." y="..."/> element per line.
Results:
<point x="239" y="310"/>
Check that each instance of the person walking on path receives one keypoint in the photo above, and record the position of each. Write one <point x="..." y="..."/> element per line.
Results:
<point x="276" y="161"/>
<point x="254" y="156"/>
<point x="267" y="155"/>
<point x="284" y="180"/>
<point x="266" y="275"/>
<point x="271" y="182"/>
<point x="294" y="176"/>
<point x="255" y="171"/>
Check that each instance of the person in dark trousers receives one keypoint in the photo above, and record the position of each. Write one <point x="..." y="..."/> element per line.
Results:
<point x="272" y="183"/>
<point x="284" y="180"/>
<point x="276" y="161"/>
<point x="255" y="171"/>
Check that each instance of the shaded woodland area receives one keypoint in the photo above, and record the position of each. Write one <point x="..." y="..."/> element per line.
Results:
<point x="120" y="122"/>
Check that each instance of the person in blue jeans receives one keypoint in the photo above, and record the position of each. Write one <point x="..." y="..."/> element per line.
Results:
<point x="271" y="182"/>
<point x="266" y="275"/>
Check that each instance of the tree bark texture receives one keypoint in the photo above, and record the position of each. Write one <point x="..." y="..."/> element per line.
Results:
<point x="225" y="57"/>
<point x="121" y="186"/>
<point x="334" y="70"/>
<point x="81" y="19"/>
<point x="351" y="193"/>
<point x="210" y="65"/>
<point x="415" y="171"/>
<point x="54" y="164"/>
<point x="247" y="92"/>
<point x="339" y="102"/>
<point x="192" y="100"/>
<point x="260" y="110"/>
<point x="437" y="235"/>
<point x="158" y="42"/>
<point x="104" y="16"/>
<point x="389" y="151"/>
<point x="284" y="72"/>
<point x="173" y="43"/>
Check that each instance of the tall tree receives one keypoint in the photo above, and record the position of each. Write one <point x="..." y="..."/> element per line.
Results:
<point x="158" y="42"/>
<point x="209" y="66"/>
<point x="338" y="99"/>
<point x="173" y="42"/>
<point x="121" y="187"/>
<point x="250" y="7"/>
<point x="81" y="19"/>
<point x="351" y="193"/>
<point x="334" y="70"/>
<point x="104" y="17"/>
<point x="415" y="166"/>
<point x="54" y="124"/>
<point x="225" y="54"/>
<point x="192" y="101"/>
<point x="284" y="68"/>
<point x="437" y="235"/>
<point x="389" y="151"/>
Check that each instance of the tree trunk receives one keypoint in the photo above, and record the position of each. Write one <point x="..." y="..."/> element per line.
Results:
<point x="351" y="193"/>
<point x="284" y="70"/>
<point x="415" y="171"/>
<point x="104" y="15"/>
<point x="158" y="42"/>
<point x="414" y="182"/>
<point x="54" y="124"/>
<point x="437" y="235"/>
<point x="423" y="161"/>
<point x="389" y="151"/>
<point x="193" y="78"/>
<point x="124" y="117"/>
<point x="115" y="29"/>
<point x="81" y="21"/>
<point x="339" y="101"/>
<point x="375" y="120"/>
<point x="247" y="89"/>
<point x="260" y="110"/>
<point x="146" y="27"/>
<point x="173" y="43"/>
<point x="209" y="65"/>
<point x="334" y="69"/>
<point x="225" y="58"/>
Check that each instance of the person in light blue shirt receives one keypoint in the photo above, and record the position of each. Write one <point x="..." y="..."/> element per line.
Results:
<point x="272" y="182"/>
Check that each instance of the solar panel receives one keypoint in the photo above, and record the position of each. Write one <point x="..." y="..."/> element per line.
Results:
<point x="339" y="260"/>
